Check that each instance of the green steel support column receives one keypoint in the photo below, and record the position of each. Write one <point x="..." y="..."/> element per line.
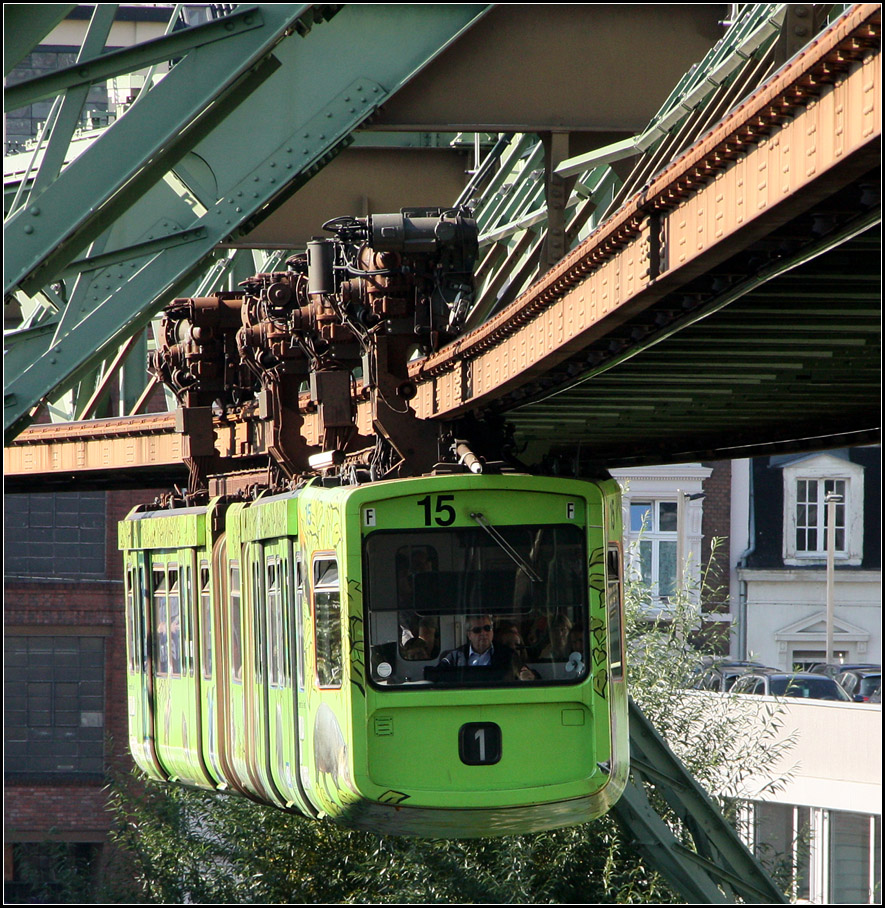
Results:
<point x="722" y="869"/>
<point x="231" y="131"/>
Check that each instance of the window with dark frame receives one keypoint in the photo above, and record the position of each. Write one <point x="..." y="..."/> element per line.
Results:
<point x="327" y="619"/>
<point x="54" y="704"/>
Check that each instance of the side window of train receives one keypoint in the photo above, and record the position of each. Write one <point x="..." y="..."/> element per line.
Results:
<point x="142" y="605"/>
<point x="613" y="598"/>
<point x="258" y="605"/>
<point x="132" y="636"/>
<point x="327" y="621"/>
<point x="187" y="618"/>
<point x="299" y="620"/>
<point x="236" y="655"/>
<point x="205" y="620"/>
<point x="161" y="620"/>
<point x="174" y="601"/>
<point x="275" y="635"/>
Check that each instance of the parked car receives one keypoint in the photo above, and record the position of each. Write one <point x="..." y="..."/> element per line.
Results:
<point x="720" y="676"/>
<point x="860" y="683"/>
<point x="790" y="684"/>
<point x="831" y="669"/>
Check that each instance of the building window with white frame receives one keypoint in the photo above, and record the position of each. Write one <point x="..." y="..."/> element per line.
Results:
<point x="807" y="483"/>
<point x="653" y="538"/>
<point x="812" y="515"/>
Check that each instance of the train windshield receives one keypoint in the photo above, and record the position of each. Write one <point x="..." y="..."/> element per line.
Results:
<point x="477" y="606"/>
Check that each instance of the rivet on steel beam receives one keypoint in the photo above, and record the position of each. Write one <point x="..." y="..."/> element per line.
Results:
<point x="34" y="210"/>
<point x="29" y="229"/>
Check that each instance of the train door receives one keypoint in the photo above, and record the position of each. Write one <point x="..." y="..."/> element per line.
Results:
<point x="205" y="647"/>
<point x="166" y="657"/>
<point x="285" y="674"/>
<point x="220" y="746"/>
<point x="176" y="718"/>
<point x="190" y="695"/>
<point x="329" y="729"/>
<point x="263" y="586"/>
<point x="139" y="680"/>
<point x="236" y="729"/>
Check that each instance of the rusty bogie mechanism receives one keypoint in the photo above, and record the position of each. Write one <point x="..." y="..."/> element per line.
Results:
<point x="340" y="324"/>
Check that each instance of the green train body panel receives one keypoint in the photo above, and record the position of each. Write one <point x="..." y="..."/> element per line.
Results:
<point x="333" y="619"/>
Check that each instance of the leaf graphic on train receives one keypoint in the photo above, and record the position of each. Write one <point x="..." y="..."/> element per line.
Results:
<point x="357" y="652"/>
<point x="597" y="574"/>
<point x="600" y="681"/>
<point x="597" y="629"/>
<point x="393" y="797"/>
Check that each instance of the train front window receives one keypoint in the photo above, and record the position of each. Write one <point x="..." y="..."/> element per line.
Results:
<point x="477" y="606"/>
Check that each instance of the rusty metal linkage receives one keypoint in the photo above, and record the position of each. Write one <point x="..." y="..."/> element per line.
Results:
<point x="292" y="343"/>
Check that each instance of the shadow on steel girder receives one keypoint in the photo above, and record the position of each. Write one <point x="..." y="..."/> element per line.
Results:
<point x="776" y="349"/>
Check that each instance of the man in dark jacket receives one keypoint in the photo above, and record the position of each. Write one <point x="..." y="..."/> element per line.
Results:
<point x="480" y="650"/>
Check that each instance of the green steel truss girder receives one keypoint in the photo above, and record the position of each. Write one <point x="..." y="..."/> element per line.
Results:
<point x="201" y="158"/>
<point x="132" y="155"/>
<point x="127" y="60"/>
<point x="25" y="25"/>
<point x="722" y="869"/>
<point x="512" y="211"/>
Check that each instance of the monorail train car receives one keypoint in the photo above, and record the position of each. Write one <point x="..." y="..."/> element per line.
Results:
<point x="438" y="656"/>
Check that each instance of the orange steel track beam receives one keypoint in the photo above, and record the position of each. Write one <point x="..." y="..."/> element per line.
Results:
<point x="815" y="127"/>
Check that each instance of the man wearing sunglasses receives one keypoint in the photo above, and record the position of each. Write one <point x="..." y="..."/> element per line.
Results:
<point x="480" y="649"/>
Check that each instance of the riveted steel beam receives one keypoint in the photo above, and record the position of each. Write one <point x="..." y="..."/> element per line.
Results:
<point x="116" y="63"/>
<point x="789" y="145"/>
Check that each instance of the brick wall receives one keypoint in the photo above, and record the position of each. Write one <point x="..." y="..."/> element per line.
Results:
<point x="717" y="516"/>
<point x="68" y="808"/>
<point x="716" y="525"/>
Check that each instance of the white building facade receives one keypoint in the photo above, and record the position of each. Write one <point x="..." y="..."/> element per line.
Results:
<point x="779" y="573"/>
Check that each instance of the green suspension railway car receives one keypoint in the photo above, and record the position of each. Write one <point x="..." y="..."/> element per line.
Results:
<point x="314" y="650"/>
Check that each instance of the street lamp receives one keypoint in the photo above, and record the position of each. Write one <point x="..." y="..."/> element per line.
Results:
<point x="832" y="499"/>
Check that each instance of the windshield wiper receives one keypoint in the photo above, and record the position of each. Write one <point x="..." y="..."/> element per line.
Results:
<point x="521" y="563"/>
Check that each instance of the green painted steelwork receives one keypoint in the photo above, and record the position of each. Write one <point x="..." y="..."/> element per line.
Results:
<point x="116" y="63"/>
<point x="25" y="25"/>
<point x="222" y="170"/>
<point x="720" y="869"/>
<point x="513" y="210"/>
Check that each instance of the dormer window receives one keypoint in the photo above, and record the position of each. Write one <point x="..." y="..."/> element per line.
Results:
<point x="807" y="483"/>
<point x="812" y="515"/>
